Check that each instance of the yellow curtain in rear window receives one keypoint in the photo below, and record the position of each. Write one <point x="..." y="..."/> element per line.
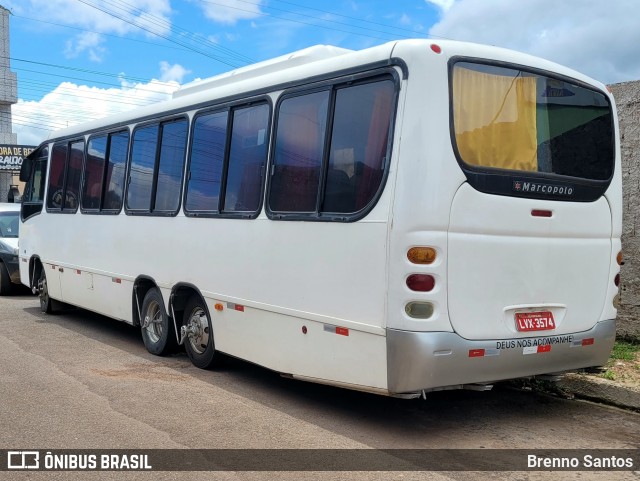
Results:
<point x="495" y="119"/>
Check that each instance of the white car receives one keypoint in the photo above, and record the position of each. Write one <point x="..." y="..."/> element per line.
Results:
<point x="9" y="226"/>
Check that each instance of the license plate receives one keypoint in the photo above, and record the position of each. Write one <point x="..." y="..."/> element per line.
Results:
<point x="535" y="321"/>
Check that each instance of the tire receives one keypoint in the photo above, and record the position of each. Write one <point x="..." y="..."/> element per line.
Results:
<point x="47" y="305"/>
<point x="157" y="328"/>
<point x="199" y="343"/>
<point x="5" y="280"/>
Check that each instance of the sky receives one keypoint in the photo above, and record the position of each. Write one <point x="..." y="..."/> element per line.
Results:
<point x="78" y="60"/>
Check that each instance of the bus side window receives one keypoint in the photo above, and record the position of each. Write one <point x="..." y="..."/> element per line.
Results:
<point x="300" y="135"/>
<point x="56" y="176"/>
<point x="74" y="170"/>
<point x="64" y="181"/>
<point x="115" y="170"/>
<point x="358" y="147"/>
<point x="170" y="166"/>
<point x="143" y="158"/>
<point x="204" y="178"/>
<point x="247" y="156"/>
<point x="33" y="198"/>
<point x="93" y="173"/>
<point x="359" y="141"/>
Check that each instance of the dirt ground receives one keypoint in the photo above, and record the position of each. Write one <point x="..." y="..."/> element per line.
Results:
<point x="624" y="371"/>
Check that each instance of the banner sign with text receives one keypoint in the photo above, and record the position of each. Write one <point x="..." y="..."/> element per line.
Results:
<point x="11" y="156"/>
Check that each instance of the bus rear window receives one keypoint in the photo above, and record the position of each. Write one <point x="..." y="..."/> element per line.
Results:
<point x="510" y="119"/>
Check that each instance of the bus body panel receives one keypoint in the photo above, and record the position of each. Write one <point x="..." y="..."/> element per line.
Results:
<point x="427" y="179"/>
<point x="503" y="260"/>
<point x="324" y="351"/>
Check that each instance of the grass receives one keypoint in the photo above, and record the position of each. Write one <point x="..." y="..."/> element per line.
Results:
<point x="609" y="375"/>
<point x="625" y="351"/>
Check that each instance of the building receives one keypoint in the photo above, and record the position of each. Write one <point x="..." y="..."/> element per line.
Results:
<point x="8" y="97"/>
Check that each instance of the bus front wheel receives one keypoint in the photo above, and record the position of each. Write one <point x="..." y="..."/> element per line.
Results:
<point x="47" y="305"/>
<point x="156" y="327"/>
<point x="198" y="334"/>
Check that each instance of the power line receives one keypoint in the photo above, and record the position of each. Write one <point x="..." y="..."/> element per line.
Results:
<point x="160" y="24"/>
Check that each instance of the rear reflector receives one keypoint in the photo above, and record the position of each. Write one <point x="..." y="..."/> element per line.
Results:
<point x="421" y="255"/>
<point x="342" y="331"/>
<point x="541" y="213"/>
<point x="476" y="352"/>
<point x="588" y="342"/>
<point x="421" y="282"/>
<point x="419" y="310"/>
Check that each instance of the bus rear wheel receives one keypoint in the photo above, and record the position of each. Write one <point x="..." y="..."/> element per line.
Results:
<point x="198" y="334"/>
<point x="157" y="331"/>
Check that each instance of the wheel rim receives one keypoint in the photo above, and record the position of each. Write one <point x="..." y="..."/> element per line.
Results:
<point x="153" y="319"/>
<point x="44" y="293"/>
<point x="199" y="325"/>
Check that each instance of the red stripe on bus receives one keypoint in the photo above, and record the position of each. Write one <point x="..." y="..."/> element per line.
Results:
<point x="343" y="331"/>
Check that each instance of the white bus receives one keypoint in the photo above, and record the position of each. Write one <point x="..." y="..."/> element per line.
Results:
<point x="405" y="218"/>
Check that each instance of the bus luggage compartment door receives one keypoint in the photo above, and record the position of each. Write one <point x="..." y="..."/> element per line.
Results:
<point x="508" y="266"/>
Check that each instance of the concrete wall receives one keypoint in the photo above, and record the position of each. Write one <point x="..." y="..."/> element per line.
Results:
<point x="627" y="97"/>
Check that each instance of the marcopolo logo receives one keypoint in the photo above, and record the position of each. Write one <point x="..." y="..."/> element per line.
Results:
<point x="525" y="186"/>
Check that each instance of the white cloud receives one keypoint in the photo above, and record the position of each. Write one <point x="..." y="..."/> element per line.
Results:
<point x="152" y="15"/>
<point x="89" y="42"/>
<point x="70" y="104"/>
<point x="441" y="4"/>
<point x="597" y="38"/>
<point x="230" y="11"/>
<point x="172" y="73"/>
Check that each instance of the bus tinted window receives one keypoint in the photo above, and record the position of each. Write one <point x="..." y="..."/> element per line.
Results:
<point x="170" y="166"/>
<point x="354" y="163"/>
<point x="74" y="171"/>
<point x="105" y="177"/>
<point x="207" y="160"/>
<point x="300" y="137"/>
<point x="359" y="141"/>
<point x="505" y="118"/>
<point x="248" y="153"/>
<point x="143" y="159"/>
<point x="93" y="171"/>
<point x="64" y="182"/>
<point x="114" y="182"/>
<point x="56" y="176"/>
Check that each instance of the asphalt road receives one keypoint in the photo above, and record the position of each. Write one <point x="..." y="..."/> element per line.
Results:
<point x="77" y="380"/>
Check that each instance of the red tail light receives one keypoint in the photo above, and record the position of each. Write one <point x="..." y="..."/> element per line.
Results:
<point x="421" y="282"/>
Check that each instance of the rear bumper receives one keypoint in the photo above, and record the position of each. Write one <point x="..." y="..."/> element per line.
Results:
<point x="428" y="360"/>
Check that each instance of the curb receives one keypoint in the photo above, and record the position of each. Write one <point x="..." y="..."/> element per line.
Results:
<point x="601" y="390"/>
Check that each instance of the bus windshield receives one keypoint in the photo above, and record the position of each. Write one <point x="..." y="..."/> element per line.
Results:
<point x="506" y="118"/>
